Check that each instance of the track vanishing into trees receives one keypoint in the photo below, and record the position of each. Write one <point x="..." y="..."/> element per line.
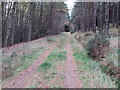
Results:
<point x="67" y="73"/>
<point x="71" y="77"/>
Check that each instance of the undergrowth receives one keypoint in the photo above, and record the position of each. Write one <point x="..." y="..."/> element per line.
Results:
<point x="90" y="71"/>
<point x="98" y="47"/>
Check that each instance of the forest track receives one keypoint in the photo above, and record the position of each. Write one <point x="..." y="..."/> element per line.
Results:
<point x="72" y="78"/>
<point x="20" y="80"/>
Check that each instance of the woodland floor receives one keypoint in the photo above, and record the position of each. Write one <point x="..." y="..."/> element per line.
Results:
<point x="52" y="62"/>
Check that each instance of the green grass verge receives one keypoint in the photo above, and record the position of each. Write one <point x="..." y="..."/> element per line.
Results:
<point x="90" y="71"/>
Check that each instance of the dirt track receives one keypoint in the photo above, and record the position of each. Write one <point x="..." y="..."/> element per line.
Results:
<point x="69" y="72"/>
<point x="72" y="78"/>
<point x="20" y="80"/>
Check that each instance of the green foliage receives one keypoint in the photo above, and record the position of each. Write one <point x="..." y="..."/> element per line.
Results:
<point x="45" y="66"/>
<point x="98" y="40"/>
<point x="98" y="46"/>
<point x="82" y="56"/>
<point x="91" y="44"/>
<point x="57" y="56"/>
<point x="104" y="38"/>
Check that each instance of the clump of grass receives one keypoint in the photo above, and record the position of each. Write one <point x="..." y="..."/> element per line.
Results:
<point x="57" y="56"/>
<point x="82" y="56"/>
<point x="45" y="66"/>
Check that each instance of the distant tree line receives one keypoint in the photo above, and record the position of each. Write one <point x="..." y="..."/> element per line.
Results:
<point x="26" y="21"/>
<point x="92" y="16"/>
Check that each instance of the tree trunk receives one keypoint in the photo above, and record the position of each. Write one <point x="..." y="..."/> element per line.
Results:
<point x="94" y="17"/>
<point x="106" y="27"/>
<point x="101" y="19"/>
<point x="0" y="26"/>
<point x="113" y="14"/>
<point x="14" y="17"/>
<point x="117" y="21"/>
